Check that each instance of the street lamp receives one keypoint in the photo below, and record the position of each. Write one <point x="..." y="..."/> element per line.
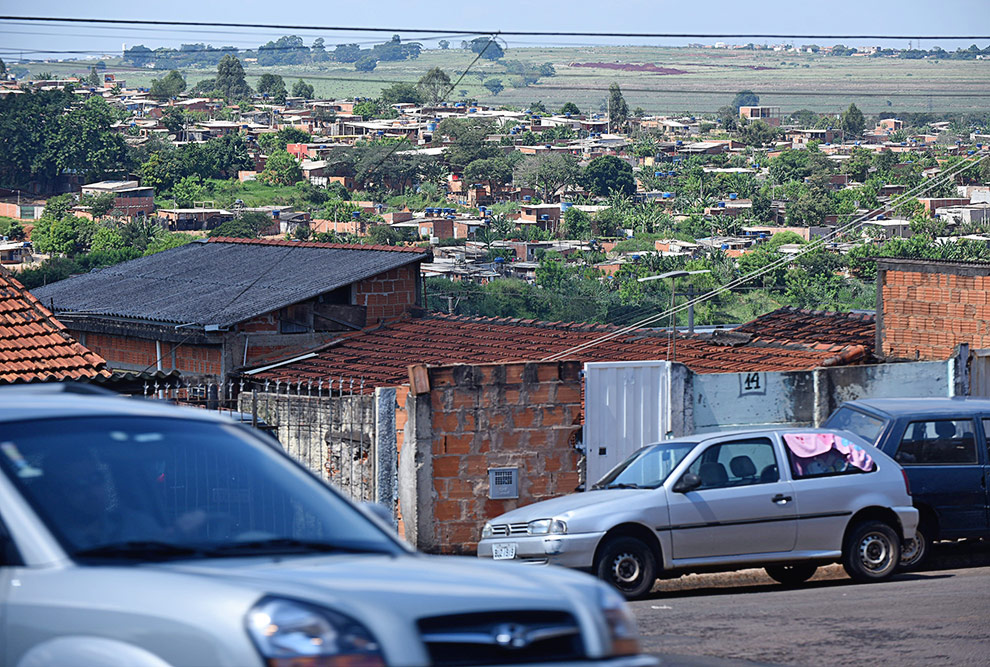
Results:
<point x="672" y="336"/>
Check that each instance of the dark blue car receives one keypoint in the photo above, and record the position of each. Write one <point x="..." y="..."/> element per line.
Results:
<point x="942" y="444"/>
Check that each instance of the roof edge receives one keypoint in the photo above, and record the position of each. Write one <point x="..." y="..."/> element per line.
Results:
<point x="315" y="244"/>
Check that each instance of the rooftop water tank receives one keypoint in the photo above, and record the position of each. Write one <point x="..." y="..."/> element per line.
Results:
<point x="733" y="195"/>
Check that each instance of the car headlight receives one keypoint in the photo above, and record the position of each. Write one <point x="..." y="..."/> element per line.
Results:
<point x="487" y="532"/>
<point x="297" y="634"/>
<point x="547" y="526"/>
<point x="620" y="624"/>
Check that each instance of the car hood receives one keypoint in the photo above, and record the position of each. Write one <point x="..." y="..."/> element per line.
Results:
<point x="576" y="504"/>
<point x="407" y="586"/>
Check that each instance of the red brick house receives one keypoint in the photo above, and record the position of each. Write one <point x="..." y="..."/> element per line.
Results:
<point x="209" y="308"/>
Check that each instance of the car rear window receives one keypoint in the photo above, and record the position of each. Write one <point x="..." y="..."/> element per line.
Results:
<point x="938" y="442"/>
<point x="868" y="427"/>
<point x="824" y="454"/>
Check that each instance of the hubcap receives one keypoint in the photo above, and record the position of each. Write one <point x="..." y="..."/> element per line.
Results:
<point x="626" y="568"/>
<point x="874" y="552"/>
<point x="911" y="550"/>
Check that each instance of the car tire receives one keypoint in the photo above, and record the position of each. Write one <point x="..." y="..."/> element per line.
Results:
<point x="872" y="551"/>
<point x="915" y="552"/>
<point x="628" y="565"/>
<point x="791" y="574"/>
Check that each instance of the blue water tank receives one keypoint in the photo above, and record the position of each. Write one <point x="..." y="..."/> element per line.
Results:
<point x="678" y="143"/>
<point x="544" y="217"/>
<point x="725" y="246"/>
<point x="733" y="195"/>
<point x="527" y="198"/>
<point x="356" y="214"/>
<point x="721" y="204"/>
<point x="276" y="213"/>
<point x="472" y="110"/>
<point x="565" y="205"/>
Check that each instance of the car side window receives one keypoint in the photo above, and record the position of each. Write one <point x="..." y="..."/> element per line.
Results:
<point x="736" y="463"/>
<point x="938" y="442"/>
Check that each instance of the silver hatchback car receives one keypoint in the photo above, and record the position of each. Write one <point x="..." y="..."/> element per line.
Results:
<point x="135" y="534"/>
<point x="788" y="500"/>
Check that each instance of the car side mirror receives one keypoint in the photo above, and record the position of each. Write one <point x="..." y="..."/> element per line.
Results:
<point x="688" y="482"/>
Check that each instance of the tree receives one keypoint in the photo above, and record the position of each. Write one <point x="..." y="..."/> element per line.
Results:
<point x="443" y="44"/>
<point x="230" y="79"/>
<point x="385" y="235"/>
<point x="281" y="169"/>
<point x="99" y="205"/>
<point x="548" y="172"/>
<point x="347" y="53"/>
<point x="618" y="110"/>
<point x="494" y="86"/>
<point x="236" y="228"/>
<point x="745" y="98"/>
<point x="366" y="64"/>
<point x="577" y="224"/>
<point x="275" y="141"/>
<point x="401" y="93"/>
<point x="434" y="86"/>
<point x="94" y="78"/>
<point x="302" y="89"/>
<point x="204" y="88"/>
<point x="570" y="108"/>
<point x="318" y="51"/>
<point x="757" y="133"/>
<point x="607" y="174"/>
<point x="490" y="171"/>
<point x="169" y="86"/>
<point x="107" y="238"/>
<point x="487" y="48"/>
<point x="852" y="121"/>
<point x="273" y="87"/>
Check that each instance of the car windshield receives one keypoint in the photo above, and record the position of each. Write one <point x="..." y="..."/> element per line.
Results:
<point x="865" y="426"/>
<point x="648" y="468"/>
<point x="144" y="488"/>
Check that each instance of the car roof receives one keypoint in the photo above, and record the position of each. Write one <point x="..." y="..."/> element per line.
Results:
<point x="719" y="435"/>
<point x="62" y="400"/>
<point x="900" y="407"/>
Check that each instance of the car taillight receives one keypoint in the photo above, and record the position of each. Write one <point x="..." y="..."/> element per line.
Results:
<point x="907" y="482"/>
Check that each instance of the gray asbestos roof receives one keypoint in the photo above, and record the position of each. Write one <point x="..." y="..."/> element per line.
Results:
<point x="218" y="283"/>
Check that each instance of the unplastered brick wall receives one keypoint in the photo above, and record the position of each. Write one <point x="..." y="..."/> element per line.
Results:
<point x="518" y="415"/>
<point x="925" y="309"/>
<point x="140" y="353"/>
<point x="389" y="294"/>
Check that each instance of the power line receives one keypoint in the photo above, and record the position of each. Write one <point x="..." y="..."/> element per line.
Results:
<point x="517" y="33"/>
<point x="960" y="167"/>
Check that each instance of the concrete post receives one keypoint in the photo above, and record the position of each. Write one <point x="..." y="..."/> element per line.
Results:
<point x="386" y="451"/>
<point x="416" y="496"/>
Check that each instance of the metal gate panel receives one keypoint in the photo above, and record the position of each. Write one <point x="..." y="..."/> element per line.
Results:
<point x="979" y="373"/>
<point x="626" y="406"/>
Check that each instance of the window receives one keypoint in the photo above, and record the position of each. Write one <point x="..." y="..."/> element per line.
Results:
<point x="825" y="454"/>
<point x="865" y="426"/>
<point x="737" y="463"/>
<point x="938" y="442"/>
<point x="297" y="318"/>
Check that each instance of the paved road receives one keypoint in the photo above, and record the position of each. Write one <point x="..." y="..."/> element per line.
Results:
<point x="940" y="616"/>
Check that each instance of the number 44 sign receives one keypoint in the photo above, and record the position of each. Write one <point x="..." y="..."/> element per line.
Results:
<point x="752" y="383"/>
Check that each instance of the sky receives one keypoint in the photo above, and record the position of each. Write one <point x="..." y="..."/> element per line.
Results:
<point x="921" y="18"/>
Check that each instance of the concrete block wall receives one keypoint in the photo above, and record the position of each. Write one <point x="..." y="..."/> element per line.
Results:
<point x="926" y="309"/>
<point x="467" y="419"/>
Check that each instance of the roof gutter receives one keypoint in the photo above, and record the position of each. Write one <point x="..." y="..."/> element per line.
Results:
<point x="280" y="364"/>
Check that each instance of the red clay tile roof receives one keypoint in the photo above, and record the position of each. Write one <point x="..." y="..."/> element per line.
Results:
<point x="314" y="244"/>
<point x="791" y="325"/>
<point x="34" y="346"/>
<point x="381" y="355"/>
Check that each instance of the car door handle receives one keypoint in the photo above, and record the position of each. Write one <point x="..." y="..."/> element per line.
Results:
<point x="781" y="499"/>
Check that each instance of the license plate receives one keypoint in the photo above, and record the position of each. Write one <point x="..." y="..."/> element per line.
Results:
<point x="504" y="551"/>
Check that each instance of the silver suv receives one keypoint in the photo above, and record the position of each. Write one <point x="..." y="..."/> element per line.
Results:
<point x="786" y="500"/>
<point x="139" y="534"/>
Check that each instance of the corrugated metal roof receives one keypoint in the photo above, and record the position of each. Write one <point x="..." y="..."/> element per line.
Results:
<point x="221" y="282"/>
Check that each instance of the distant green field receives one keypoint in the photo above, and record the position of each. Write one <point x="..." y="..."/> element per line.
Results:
<point x="710" y="79"/>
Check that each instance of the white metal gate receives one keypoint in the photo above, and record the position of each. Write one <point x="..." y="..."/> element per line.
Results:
<point x="979" y="373"/>
<point x="626" y="406"/>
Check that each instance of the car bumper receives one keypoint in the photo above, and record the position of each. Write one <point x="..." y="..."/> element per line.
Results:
<point x="626" y="661"/>
<point x="575" y="551"/>
<point x="909" y="517"/>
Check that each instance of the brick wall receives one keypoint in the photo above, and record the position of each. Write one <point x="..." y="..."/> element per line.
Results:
<point x="928" y="308"/>
<point x="389" y="294"/>
<point x="524" y="415"/>
<point x="139" y="354"/>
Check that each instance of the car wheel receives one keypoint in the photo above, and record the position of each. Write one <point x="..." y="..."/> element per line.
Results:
<point x="872" y="551"/>
<point x="914" y="552"/>
<point x="791" y="575"/>
<point x="629" y="565"/>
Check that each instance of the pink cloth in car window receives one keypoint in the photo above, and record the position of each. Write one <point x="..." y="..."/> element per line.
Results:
<point x="809" y="445"/>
